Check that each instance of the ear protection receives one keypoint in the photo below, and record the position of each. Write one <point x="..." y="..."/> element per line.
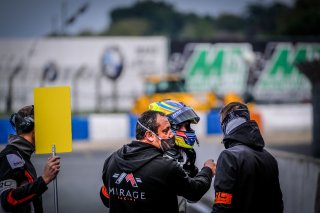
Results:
<point x="25" y="124"/>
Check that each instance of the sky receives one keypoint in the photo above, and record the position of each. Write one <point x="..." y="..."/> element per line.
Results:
<point x="36" y="18"/>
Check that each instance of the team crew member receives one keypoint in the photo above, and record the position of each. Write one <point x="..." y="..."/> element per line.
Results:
<point x="137" y="178"/>
<point x="20" y="188"/>
<point x="247" y="179"/>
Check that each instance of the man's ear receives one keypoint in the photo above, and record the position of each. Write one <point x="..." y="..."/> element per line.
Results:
<point x="149" y="136"/>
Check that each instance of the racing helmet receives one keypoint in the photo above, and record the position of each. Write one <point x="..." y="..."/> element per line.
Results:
<point x="178" y="113"/>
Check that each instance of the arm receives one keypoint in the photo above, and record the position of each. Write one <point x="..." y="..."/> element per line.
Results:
<point x="13" y="197"/>
<point x="191" y="188"/>
<point x="224" y="182"/>
<point x="104" y="195"/>
<point x="178" y="154"/>
<point x="17" y="186"/>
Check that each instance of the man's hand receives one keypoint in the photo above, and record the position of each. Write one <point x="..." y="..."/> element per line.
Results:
<point x="210" y="163"/>
<point x="51" y="169"/>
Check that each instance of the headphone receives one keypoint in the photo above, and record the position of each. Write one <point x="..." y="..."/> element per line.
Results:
<point x="25" y="124"/>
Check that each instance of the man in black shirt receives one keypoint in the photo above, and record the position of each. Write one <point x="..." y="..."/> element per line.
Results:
<point x="247" y="177"/>
<point x="20" y="188"/>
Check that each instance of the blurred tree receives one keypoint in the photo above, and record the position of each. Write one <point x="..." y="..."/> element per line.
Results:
<point x="86" y="32"/>
<point x="153" y="18"/>
<point x="197" y="28"/>
<point x="263" y="20"/>
<point x="158" y="18"/>
<point x="146" y="18"/>
<point x="129" y="27"/>
<point x="230" y="23"/>
<point x="302" y="20"/>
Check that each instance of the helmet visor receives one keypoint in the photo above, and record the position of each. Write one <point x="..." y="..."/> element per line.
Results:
<point x="182" y="115"/>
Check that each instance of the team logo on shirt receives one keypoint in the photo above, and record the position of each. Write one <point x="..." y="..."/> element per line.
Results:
<point x="124" y="193"/>
<point x="15" y="161"/>
<point x="128" y="177"/>
<point x="223" y="198"/>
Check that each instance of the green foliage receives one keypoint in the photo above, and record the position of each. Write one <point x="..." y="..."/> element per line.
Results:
<point x="260" y="21"/>
<point x="86" y="33"/>
<point x="130" y="27"/>
<point x="161" y="17"/>
<point x="197" y="28"/>
<point x="230" y="22"/>
<point x="263" y="19"/>
<point x="303" y="19"/>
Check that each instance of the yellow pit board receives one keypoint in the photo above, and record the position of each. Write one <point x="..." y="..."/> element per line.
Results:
<point x="52" y="119"/>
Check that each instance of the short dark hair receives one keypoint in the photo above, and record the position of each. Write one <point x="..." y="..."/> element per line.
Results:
<point x="19" y="120"/>
<point x="231" y="107"/>
<point x="149" y="120"/>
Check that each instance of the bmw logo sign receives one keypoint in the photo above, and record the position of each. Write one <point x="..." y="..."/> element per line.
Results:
<point x="112" y="63"/>
<point x="50" y="71"/>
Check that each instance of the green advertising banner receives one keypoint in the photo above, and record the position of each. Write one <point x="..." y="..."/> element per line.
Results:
<point x="218" y="67"/>
<point x="269" y="76"/>
<point x="281" y="79"/>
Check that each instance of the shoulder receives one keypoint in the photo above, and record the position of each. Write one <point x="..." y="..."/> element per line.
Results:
<point x="231" y="152"/>
<point x="174" y="154"/>
<point x="268" y="155"/>
<point x="238" y="150"/>
<point x="172" y="166"/>
<point x="12" y="157"/>
<point x="229" y="157"/>
<point x="106" y="162"/>
<point x="165" y="163"/>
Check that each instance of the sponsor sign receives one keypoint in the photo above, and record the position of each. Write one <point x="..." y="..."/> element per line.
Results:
<point x="281" y="79"/>
<point x="218" y="67"/>
<point x="269" y="74"/>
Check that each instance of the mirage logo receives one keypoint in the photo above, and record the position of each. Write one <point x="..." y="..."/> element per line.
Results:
<point x="128" y="177"/>
<point x="125" y="193"/>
